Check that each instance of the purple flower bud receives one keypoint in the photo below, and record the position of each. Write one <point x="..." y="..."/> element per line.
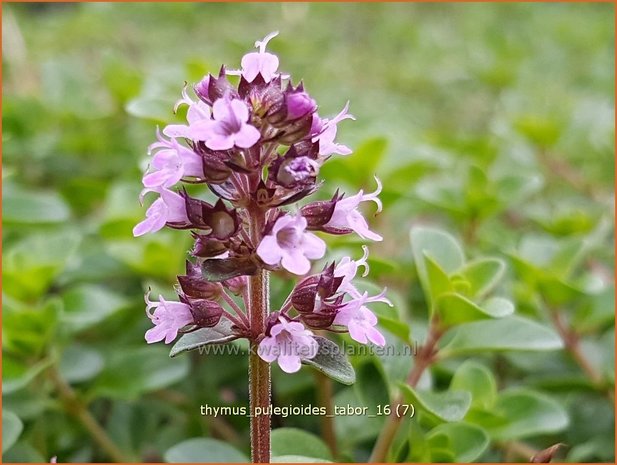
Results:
<point x="299" y="104"/>
<point x="202" y="89"/>
<point x="194" y="286"/>
<point x="236" y="285"/>
<point x="294" y="171"/>
<point x="206" y="313"/>
<point x="206" y="247"/>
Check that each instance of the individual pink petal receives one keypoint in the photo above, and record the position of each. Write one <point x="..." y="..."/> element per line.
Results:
<point x="357" y="332"/>
<point x="289" y="363"/>
<point x="177" y="130"/>
<point x="268" y="349"/>
<point x="247" y="137"/>
<point x="202" y="130"/>
<point x="269" y="250"/>
<point x="222" y="110"/>
<point x="251" y="65"/>
<point x="375" y="336"/>
<point x="220" y="142"/>
<point x="296" y="263"/>
<point x="313" y="247"/>
<point x="240" y="110"/>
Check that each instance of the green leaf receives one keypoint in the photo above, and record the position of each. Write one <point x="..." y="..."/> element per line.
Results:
<point x="16" y="375"/>
<point x="20" y="206"/>
<point x="88" y="305"/>
<point x="357" y="170"/>
<point x="441" y="247"/>
<point x="371" y="385"/>
<point x="30" y="266"/>
<point x="11" y="429"/>
<point x="204" y="450"/>
<point x="478" y="380"/>
<point x="293" y="441"/>
<point x="467" y="442"/>
<point x="446" y="406"/>
<point x="510" y="333"/>
<point x="332" y="362"/>
<point x="455" y="309"/>
<point x="529" y="414"/>
<point x="483" y="275"/>
<point x="130" y="372"/>
<point x="219" y="334"/>
<point x="220" y="269"/>
<point x="438" y="280"/>
<point x="297" y="459"/>
<point x="80" y="363"/>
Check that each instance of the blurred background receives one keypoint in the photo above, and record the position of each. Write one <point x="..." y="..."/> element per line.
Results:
<point x="494" y="122"/>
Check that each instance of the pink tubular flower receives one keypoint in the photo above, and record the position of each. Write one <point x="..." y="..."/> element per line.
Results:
<point x="291" y="245"/>
<point x="168" y="208"/>
<point x="290" y="343"/>
<point x="324" y="131"/>
<point x="168" y="318"/>
<point x="171" y="163"/>
<point x="360" y="321"/>
<point x="346" y="214"/>
<point x="347" y="269"/>
<point x="198" y="111"/>
<point x="228" y="128"/>
<point x="260" y="62"/>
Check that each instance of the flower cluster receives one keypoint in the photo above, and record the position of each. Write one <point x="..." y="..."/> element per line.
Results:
<point x="258" y="145"/>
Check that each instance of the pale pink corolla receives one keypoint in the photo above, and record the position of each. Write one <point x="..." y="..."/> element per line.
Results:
<point x="260" y="62"/>
<point x="168" y="318"/>
<point x="360" y="321"/>
<point x="229" y="127"/>
<point x="170" y="207"/>
<point x="289" y="343"/>
<point x="347" y="216"/>
<point x="290" y="245"/>
<point x="324" y="131"/>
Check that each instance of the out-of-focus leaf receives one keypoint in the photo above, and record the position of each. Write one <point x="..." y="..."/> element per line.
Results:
<point x="483" y="275"/>
<point x="478" y="380"/>
<point x="455" y="309"/>
<point x="30" y="266"/>
<point x="449" y="406"/>
<point x="87" y="305"/>
<point x="80" y="363"/>
<point x="529" y="413"/>
<point x="371" y="385"/>
<point x="20" y="206"/>
<point x="467" y="442"/>
<point x="293" y="441"/>
<point x="27" y="331"/>
<point x="357" y="169"/>
<point x="219" y="334"/>
<point x="440" y="246"/>
<point x="204" y="450"/>
<point x="297" y="459"/>
<point x="510" y="333"/>
<point x="332" y="362"/>
<point x="130" y="372"/>
<point x="11" y="429"/>
<point x="16" y="375"/>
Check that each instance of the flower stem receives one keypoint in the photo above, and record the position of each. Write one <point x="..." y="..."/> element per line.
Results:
<point x="77" y="408"/>
<point x="424" y="358"/>
<point x="325" y="395"/>
<point x="259" y="371"/>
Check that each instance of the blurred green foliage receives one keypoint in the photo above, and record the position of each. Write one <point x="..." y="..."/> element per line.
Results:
<point x="494" y="122"/>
